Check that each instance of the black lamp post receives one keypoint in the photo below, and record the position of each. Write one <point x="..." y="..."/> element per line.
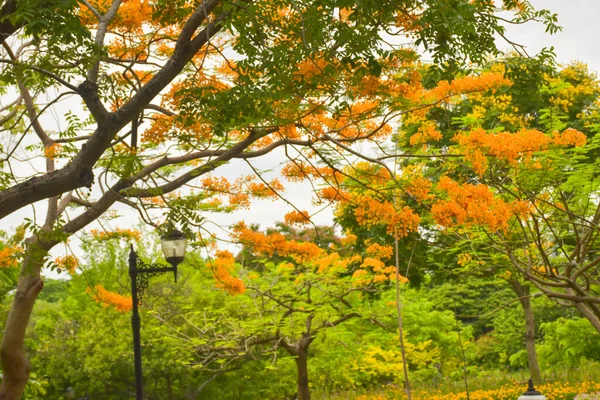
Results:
<point x="531" y="393"/>
<point x="173" y="247"/>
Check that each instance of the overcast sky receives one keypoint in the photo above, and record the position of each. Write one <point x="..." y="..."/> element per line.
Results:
<point x="579" y="40"/>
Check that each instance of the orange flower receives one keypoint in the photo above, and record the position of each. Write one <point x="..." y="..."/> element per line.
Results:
<point x="275" y="243"/>
<point x="52" y="150"/>
<point x="8" y="256"/>
<point x="118" y="233"/>
<point x="68" y="263"/>
<point x="107" y="298"/>
<point x="512" y="147"/>
<point x="379" y="251"/>
<point x="374" y="212"/>
<point x="297" y="218"/>
<point x="425" y="133"/>
<point x="222" y="266"/>
<point x="471" y="205"/>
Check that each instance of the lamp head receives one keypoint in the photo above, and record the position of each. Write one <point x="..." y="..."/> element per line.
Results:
<point x="173" y="246"/>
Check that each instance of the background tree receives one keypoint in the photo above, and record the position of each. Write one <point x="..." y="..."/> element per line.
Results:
<point x="464" y="157"/>
<point x="518" y="164"/>
<point x="308" y="291"/>
<point x="505" y="151"/>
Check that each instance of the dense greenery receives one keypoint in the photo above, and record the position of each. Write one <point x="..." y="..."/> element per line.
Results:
<point x="197" y="340"/>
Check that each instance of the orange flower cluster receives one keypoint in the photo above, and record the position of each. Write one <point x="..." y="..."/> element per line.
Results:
<point x="275" y="243"/>
<point x="239" y="199"/>
<point x="222" y="266"/>
<point x="375" y="173"/>
<point x="52" y="150"/>
<point x="332" y="194"/>
<point x="569" y="137"/>
<point x="310" y="68"/>
<point x="370" y="85"/>
<point x="289" y="131"/>
<point x="328" y="261"/>
<point x="474" y="205"/>
<point x="379" y="251"/>
<point x="511" y="147"/>
<point x="297" y="218"/>
<point x="118" y="233"/>
<point x="374" y="212"/>
<point x="345" y="14"/>
<point x="158" y="130"/>
<point x="262" y="191"/>
<point x="373" y="270"/>
<point x="165" y="128"/>
<point x="467" y="84"/>
<point x="426" y="133"/>
<point x="416" y="185"/>
<point x="360" y="118"/>
<point x="67" y="263"/>
<point x="216" y="184"/>
<point x="8" y="256"/>
<point x="132" y="16"/>
<point x="348" y="240"/>
<point x="107" y="298"/>
<point x="298" y="171"/>
<point x="240" y="192"/>
<point x="128" y="49"/>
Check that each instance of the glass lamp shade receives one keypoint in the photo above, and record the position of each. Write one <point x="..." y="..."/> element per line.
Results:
<point x="173" y="247"/>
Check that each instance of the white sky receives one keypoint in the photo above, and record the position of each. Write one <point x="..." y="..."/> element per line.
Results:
<point x="579" y="40"/>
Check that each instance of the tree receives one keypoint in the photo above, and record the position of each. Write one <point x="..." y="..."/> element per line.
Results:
<point x="233" y="81"/>
<point x="303" y="291"/>
<point x="481" y="168"/>
<point x="515" y="185"/>
<point x="548" y="180"/>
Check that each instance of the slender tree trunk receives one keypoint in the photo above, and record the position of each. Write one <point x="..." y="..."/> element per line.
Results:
<point x="15" y="366"/>
<point x="522" y="291"/>
<point x="170" y="394"/>
<point x="302" y="366"/>
<point x="399" y="313"/>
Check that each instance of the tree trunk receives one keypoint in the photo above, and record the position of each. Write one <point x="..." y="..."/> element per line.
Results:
<point x="15" y="366"/>
<point x="586" y="312"/>
<point x="532" y="361"/>
<point x="302" y="366"/>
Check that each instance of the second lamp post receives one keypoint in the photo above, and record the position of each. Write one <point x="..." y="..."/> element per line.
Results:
<point x="173" y="247"/>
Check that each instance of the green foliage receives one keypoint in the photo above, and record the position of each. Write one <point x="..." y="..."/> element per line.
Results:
<point x="85" y="348"/>
<point x="568" y="343"/>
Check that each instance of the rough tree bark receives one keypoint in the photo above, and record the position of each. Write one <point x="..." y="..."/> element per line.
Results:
<point x="15" y="366"/>
<point x="522" y="291"/>
<point x="302" y="368"/>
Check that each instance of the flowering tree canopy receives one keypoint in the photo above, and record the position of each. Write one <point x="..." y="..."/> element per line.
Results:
<point x="163" y="93"/>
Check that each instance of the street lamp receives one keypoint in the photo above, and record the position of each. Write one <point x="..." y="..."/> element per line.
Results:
<point x="173" y="247"/>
